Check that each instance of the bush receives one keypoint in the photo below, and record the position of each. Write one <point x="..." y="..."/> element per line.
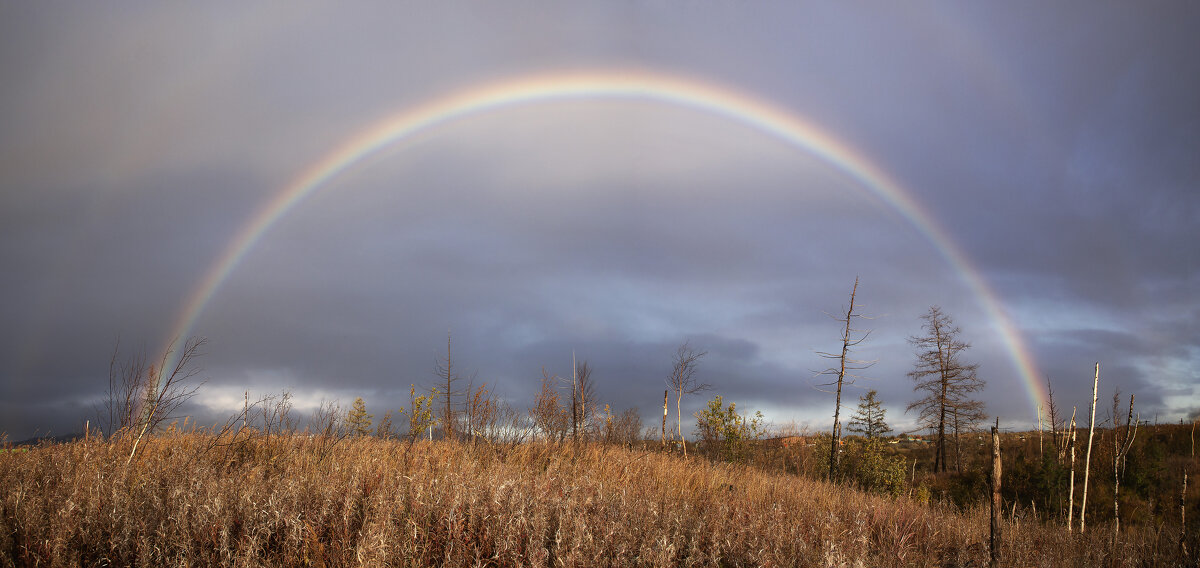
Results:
<point x="873" y="469"/>
<point x="724" y="434"/>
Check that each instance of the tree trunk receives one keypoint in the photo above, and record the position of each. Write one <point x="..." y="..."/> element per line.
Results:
<point x="1071" y="492"/>
<point x="679" y="421"/>
<point x="996" y="501"/>
<point x="940" y="455"/>
<point x="836" y="437"/>
<point x="664" y="424"/>
<point x="1183" y="552"/>
<point x="1087" y="463"/>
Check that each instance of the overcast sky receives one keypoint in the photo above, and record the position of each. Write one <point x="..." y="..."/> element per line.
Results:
<point x="1056" y="145"/>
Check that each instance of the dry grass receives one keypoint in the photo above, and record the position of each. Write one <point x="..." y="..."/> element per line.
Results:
<point x="287" y="501"/>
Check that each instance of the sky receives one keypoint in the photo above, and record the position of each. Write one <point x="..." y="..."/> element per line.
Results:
<point x="722" y="176"/>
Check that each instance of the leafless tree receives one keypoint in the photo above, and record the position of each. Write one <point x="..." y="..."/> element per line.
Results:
<point x="683" y="381"/>
<point x="142" y="397"/>
<point x="448" y="379"/>
<point x="843" y="372"/>
<point x="583" y="394"/>
<point x="327" y="427"/>
<point x="548" y="414"/>
<point x="1121" y="447"/>
<point x="482" y="413"/>
<point x="1071" y="492"/>
<point x="623" y="428"/>
<point x="1058" y="437"/>
<point x="946" y="381"/>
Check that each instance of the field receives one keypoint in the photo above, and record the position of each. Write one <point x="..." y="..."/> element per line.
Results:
<point x="188" y="499"/>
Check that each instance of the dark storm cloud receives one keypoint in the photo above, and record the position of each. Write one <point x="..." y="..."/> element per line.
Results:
<point x="1054" y="144"/>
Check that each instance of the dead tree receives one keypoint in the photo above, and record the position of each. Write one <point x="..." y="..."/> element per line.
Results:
<point x="1087" y="462"/>
<point x="842" y="372"/>
<point x="997" y="504"/>
<point x="547" y="413"/>
<point x="683" y="381"/>
<point x="583" y="392"/>
<point x="1183" y="551"/>
<point x="1071" y="491"/>
<point x="1058" y="438"/>
<point x="946" y="381"/>
<point x="1121" y="448"/>
<point x="447" y="379"/>
<point x="666" y="392"/>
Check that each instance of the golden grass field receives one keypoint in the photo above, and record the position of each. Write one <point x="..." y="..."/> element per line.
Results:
<point x="305" y="501"/>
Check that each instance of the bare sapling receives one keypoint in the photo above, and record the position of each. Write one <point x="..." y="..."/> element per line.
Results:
<point x="683" y="381"/>
<point x="1087" y="462"/>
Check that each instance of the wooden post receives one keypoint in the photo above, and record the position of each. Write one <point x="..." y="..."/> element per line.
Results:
<point x="997" y="504"/>
<point x="1087" y="463"/>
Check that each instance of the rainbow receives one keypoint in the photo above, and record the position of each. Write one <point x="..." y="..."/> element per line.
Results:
<point x="705" y="97"/>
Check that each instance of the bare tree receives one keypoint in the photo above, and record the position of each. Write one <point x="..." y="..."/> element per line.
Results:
<point x="842" y="371"/>
<point x="482" y="413"/>
<point x="1071" y="491"/>
<point x="946" y="381"/>
<point x="548" y="413"/>
<point x="621" y="429"/>
<point x="1121" y="447"/>
<point x="142" y="398"/>
<point x="1058" y="437"/>
<point x="683" y="381"/>
<point x="583" y="393"/>
<point x="447" y="379"/>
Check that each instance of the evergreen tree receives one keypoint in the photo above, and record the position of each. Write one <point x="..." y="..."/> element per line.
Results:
<point x="869" y="417"/>
<point x="358" y="420"/>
